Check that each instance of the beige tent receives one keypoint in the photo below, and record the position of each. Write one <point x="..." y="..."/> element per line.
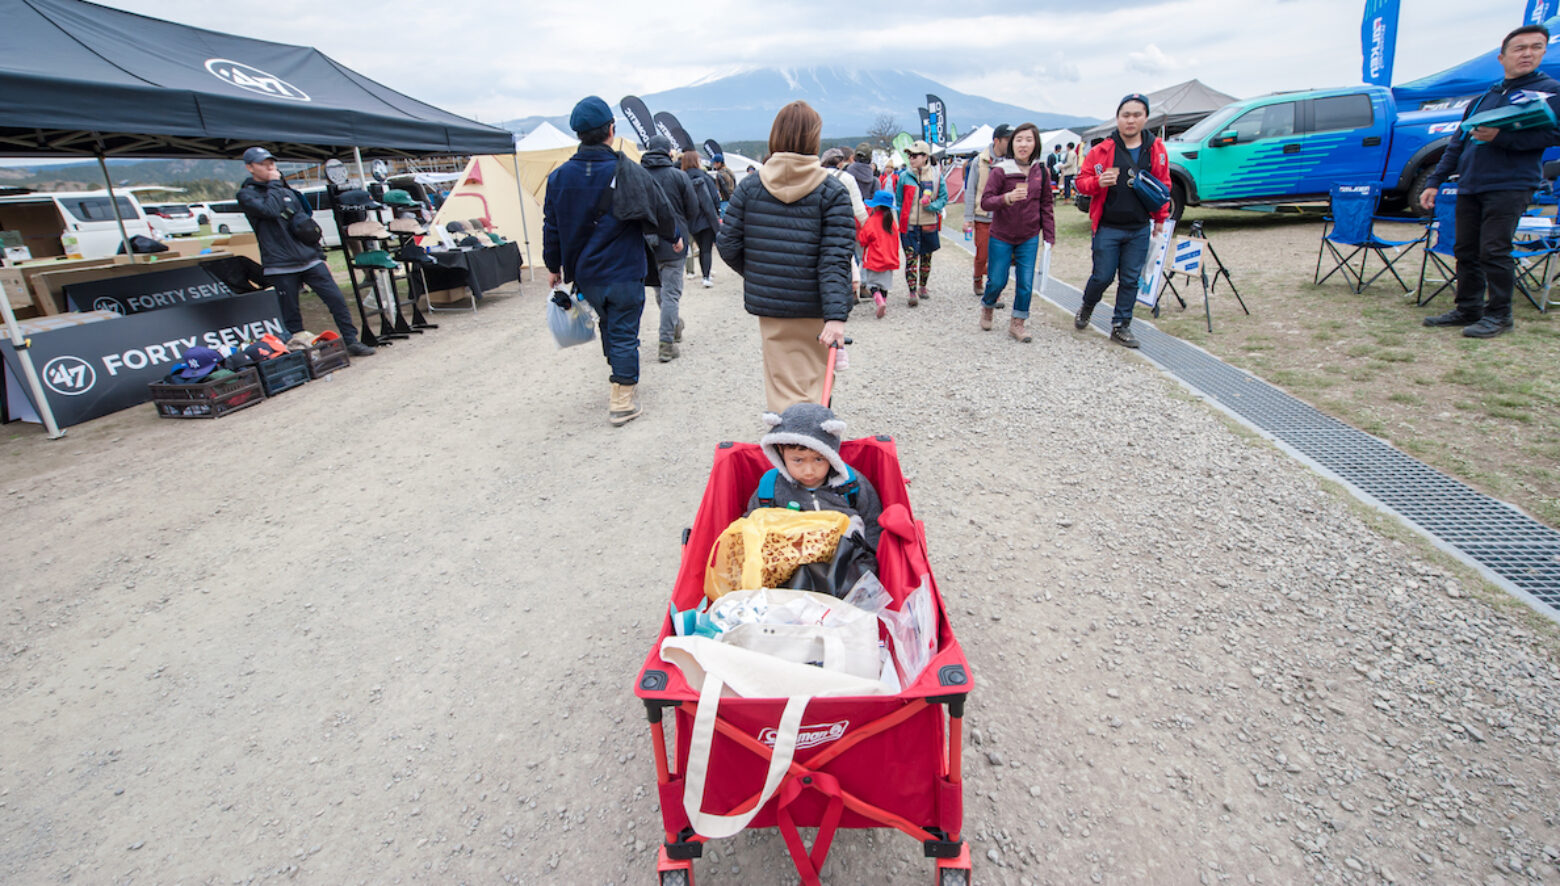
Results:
<point x="489" y="190"/>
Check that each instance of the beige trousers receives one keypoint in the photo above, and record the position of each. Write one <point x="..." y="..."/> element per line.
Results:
<point x="794" y="362"/>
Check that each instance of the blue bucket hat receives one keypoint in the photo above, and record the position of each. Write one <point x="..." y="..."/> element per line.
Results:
<point x="882" y="198"/>
<point x="590" y="113"/>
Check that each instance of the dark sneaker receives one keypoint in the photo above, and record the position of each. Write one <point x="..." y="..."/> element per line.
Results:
<point x="1489" y="327"/>
<point x="1122" y="335"/>
<point x="1453" y="317"/>
<point x="1081" y="319"/>
<point x="358" y="349"/>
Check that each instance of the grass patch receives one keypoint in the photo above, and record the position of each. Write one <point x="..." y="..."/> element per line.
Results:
<point x="1406" y="398"/>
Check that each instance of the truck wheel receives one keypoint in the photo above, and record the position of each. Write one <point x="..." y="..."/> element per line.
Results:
<point x="1417" y="188"/>
<point x="223" y="229"/>
<point x="1177" y="200"/>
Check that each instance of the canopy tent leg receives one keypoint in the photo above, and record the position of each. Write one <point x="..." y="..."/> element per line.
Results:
<point x="113" y="204"/>
<point x="24" y="357"/>
<point x="357" y="154"/>
<point x="525" y="226"/>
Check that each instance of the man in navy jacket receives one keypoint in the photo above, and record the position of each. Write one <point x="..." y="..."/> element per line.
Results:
<point x="596" y="239"/>
<point x="1497" y="170"/>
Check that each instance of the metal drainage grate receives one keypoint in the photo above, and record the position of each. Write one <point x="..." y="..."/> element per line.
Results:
<point x="1519" y="553"/>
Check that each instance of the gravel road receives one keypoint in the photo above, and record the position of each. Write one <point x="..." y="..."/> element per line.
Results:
<point x="383" y="629"/>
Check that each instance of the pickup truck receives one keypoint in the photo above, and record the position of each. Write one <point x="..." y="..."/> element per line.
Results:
<point x="1290" y="147"/>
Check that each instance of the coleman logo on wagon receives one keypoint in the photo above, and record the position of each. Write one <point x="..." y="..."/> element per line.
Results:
<point x="253" y="79"/>
<point x="811" y="736"/>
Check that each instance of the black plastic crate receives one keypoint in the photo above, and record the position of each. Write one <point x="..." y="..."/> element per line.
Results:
<point x="327" y="357"/>
<point x="283" y="373"/>
<point x="208" y="399"/>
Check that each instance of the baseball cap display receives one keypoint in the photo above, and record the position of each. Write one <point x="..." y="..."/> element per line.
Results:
<point x="398" y="197"/>
<point x="375" y="258"/>
<point x="198" y="363"/>
<point x="357" y="198"/>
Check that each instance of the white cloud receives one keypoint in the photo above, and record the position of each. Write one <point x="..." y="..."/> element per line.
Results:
<point x="502" y="61"/>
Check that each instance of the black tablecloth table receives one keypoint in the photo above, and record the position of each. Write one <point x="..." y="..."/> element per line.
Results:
<point x="479" y="268"/>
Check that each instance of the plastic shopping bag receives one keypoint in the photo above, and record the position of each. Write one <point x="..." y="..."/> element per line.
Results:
<point x="574" y="325"/>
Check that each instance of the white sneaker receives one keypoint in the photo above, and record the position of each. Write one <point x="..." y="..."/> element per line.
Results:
<point x="708" y="283"/>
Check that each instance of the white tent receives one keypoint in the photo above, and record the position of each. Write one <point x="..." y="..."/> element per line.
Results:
<point x="545" y="137"/>
<point x="978" y="140"/>
<point x="1049" y="140"/>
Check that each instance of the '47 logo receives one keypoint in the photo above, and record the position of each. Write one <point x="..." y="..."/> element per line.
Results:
<point x="69" y="376"/>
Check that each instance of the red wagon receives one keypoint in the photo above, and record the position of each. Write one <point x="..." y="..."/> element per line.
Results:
<point x="861" y="761"/>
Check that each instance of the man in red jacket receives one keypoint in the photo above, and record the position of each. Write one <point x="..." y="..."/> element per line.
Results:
<point x="1123" y="226"/>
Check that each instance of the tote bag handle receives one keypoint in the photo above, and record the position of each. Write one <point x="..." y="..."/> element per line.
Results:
<point x="701" y="742"/>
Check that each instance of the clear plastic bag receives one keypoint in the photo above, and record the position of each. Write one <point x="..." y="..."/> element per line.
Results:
<point x="574" y="325"/>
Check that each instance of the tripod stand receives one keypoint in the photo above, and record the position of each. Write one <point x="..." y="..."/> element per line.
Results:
<point x="1192" y="257"/>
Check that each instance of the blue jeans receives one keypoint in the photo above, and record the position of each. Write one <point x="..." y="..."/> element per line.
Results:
<point x="1119" y="253"/>
<point x="619" y="306"/>
<point x="1000" y="256"/>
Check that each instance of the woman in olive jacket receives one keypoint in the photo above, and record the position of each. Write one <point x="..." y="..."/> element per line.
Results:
<point x="789" y="232"/>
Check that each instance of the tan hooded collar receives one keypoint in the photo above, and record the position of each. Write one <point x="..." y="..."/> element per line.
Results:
<point x="790" y="177"/>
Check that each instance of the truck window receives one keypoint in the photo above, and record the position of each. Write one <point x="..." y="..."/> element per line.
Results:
<point x="97" y="208"/>
<point x="1269" y="121"/>
<point x="1337" y="112"/>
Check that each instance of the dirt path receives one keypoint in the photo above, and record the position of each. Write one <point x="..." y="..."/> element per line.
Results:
<point x="383" y="628"/>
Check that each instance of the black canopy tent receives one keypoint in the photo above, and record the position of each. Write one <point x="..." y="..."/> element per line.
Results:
<point x="78" y="78"/>
<point x="85" y="80"/>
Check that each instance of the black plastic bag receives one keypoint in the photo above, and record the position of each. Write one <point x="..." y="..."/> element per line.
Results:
<point x="853" y="558"/>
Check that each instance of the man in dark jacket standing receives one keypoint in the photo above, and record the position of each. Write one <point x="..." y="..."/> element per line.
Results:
<point x="657" y="161"/>
<point x="288" y="262"/>
<point x="595" y="239"/>
<point x="1497" y="171"/>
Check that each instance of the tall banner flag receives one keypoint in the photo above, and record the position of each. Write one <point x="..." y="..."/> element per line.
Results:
<point x="926" y="125"/>
<point x="666" y="123"/>
<point x="638" y="115"/>
<point x="1378" y="40"/>
<point x="939" y="119"/>
<point x="1538" y="12"/>
<point x="712" y="147"/>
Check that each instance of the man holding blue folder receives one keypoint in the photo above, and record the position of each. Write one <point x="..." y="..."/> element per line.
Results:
<point x="1496" y="156"/>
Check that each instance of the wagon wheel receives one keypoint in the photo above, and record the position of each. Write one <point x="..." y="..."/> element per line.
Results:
<point x="679" y="877"/>
<point x="952" y="877"/>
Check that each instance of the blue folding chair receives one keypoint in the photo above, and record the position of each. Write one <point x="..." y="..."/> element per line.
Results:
<point x="1534" y="260"/>
<point x="1440" y="239"/>
<point x="1351" y="226"/>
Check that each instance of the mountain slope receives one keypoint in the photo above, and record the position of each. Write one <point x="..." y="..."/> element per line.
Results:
<point x="743" y="105"/>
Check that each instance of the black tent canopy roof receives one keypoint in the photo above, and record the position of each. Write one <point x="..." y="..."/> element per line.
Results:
<point x="81" y="79"/>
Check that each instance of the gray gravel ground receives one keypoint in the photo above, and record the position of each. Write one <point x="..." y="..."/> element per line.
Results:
<point x="384" y="628"/>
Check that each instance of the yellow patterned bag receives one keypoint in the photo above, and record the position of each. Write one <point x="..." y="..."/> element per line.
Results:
<point x="764" y="548"/>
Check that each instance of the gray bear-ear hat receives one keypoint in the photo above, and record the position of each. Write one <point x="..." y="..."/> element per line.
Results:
<point x="810" y="425"/>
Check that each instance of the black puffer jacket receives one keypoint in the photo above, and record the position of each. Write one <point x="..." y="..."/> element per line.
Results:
<point x="268" y="205"/>
<point x="705" y="217"/>
<point x="794" y="258"/>
<point x="679" y="193"/>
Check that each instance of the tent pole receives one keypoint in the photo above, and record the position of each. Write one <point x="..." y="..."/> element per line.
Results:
<point x="525" y="226"/>
<point x="113" y="204"/>
<point x="24" y="357"/>
<point x="357" y="154"/>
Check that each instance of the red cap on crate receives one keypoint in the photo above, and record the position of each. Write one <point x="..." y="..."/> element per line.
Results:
<point x="328" y="335"/>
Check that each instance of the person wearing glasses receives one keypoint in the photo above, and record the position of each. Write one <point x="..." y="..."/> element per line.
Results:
<point x="1498" y="170"/>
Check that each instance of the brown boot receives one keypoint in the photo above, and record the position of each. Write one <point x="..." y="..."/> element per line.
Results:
<point x="985" y="318"/>
<point x="624" y="406"/>
<point x="1017" y="330"/>
<point x="980" y="286"/>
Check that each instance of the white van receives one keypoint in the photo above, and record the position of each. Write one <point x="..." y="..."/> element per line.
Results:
<point x="227" y="217"/>
<point x="48" y="220"/>
<point x="171" y="219"/>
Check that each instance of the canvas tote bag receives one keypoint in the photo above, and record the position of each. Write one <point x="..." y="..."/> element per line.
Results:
<point x="717" y="666"/>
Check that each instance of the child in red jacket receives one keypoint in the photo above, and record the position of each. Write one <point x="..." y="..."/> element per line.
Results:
<point x="879" y="249"/>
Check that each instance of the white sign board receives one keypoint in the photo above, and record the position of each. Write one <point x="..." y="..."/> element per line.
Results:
<point x="1151" y="282"/>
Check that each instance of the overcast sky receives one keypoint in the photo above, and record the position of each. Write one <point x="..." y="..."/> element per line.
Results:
<point x="498" y="61"/>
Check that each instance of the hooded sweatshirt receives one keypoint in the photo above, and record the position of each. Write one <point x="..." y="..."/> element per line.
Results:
<point x="790" y="233"/>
